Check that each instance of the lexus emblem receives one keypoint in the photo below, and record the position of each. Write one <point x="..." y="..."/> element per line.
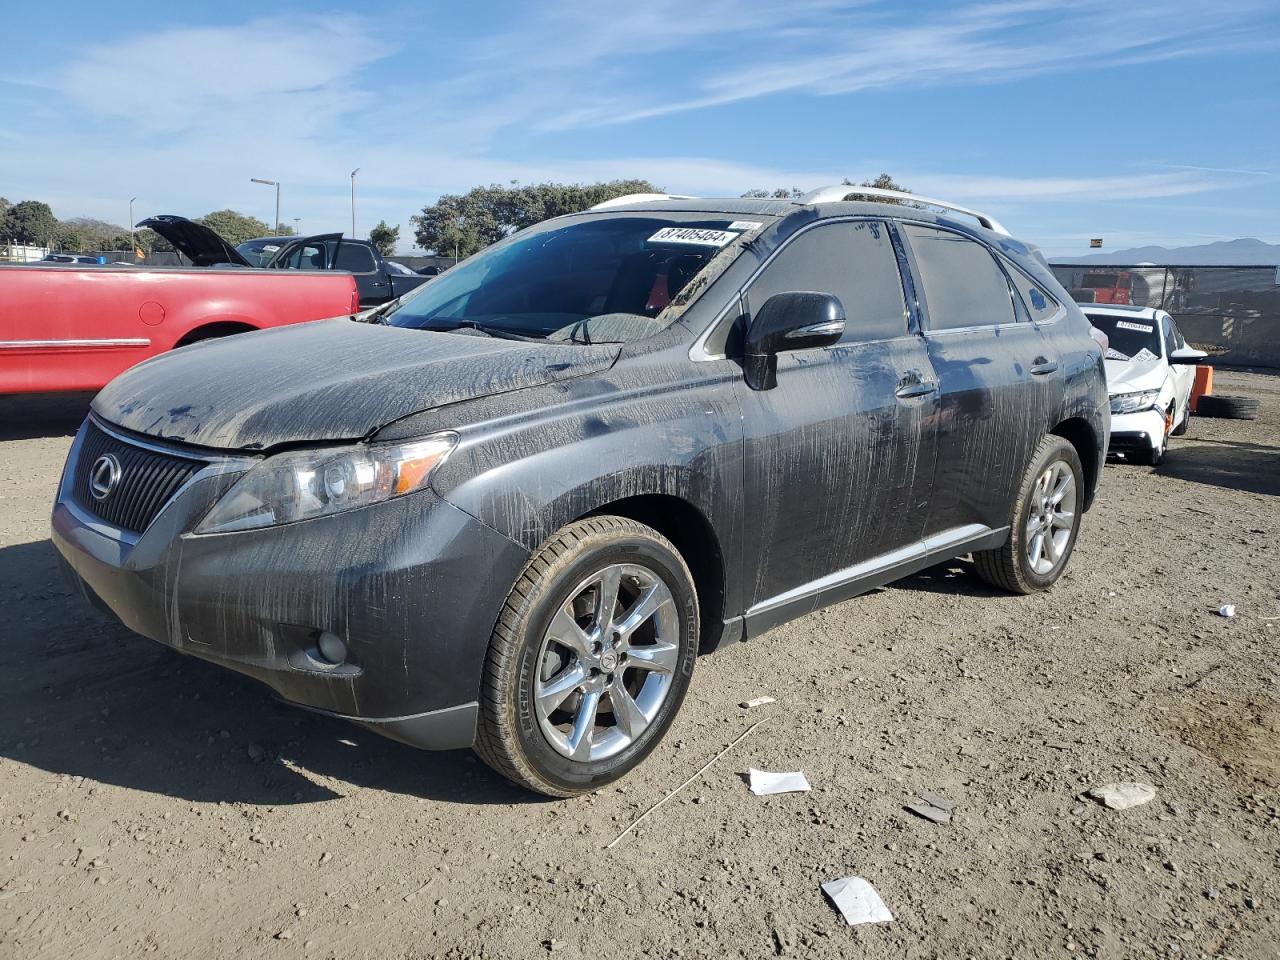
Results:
<point x="104" y="477"/>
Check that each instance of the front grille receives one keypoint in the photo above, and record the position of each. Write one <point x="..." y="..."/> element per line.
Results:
<point x="147" y="480"/>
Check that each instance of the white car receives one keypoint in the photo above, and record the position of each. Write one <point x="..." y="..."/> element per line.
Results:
<point x="1150" y="371"/>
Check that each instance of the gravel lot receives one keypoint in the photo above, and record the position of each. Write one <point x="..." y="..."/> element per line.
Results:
<point x="153" y="805"/>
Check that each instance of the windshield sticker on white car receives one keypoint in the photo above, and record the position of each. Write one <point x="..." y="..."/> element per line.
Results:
<point x="1144" y="355"/>
<point x="693" y="236"/>
<point x="270" y="247"/>
<point x="1140" y="327"/>
<point x="744" y="225"/>
<point x="1114" y="354"/>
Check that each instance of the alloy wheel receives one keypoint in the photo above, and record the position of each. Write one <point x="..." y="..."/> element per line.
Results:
<point x="1051" y="519"/>
<point x="606" y="662"/>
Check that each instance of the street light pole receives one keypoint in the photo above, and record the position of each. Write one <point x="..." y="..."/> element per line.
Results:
<point x="276" y="184"/>
<point x="133" y="244"/>
<point x="353" y="202"/>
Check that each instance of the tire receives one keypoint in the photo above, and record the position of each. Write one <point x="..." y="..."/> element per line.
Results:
<point x="555" y="653"/>
<point x="1010" y="567"/>
<point x="1227" y="407"/>
<point x="1152" y="456"/>
<point x="1181" y="428"/>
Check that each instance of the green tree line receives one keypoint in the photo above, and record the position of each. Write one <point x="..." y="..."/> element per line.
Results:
<point x="455" y="225"/>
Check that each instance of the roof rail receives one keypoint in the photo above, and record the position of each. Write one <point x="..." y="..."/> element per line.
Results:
<point x="638" y="198"/>
<point x="839" y="192"/>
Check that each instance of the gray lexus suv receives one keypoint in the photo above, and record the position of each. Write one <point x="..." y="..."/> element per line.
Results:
<point x="508" y="510"/>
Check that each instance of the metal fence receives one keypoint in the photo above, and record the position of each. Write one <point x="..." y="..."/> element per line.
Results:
<point x="1232" y="312"/>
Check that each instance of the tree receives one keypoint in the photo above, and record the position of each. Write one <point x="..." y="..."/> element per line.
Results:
<point x="233" y="226"/>
<point x="87" y="234"/>
<point x="471" y="221"/>
<point x="385" y="238"/>
<point x="33" y="222"/>
<point x="882" y="182"/>
<point x="782" y="193"/>
<point x="5" y="207"/>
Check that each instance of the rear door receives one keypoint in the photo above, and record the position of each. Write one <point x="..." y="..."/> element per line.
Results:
<point x="1000" y="377"/>
<point x="839" y="455"/>
<point x="373" y="283"/>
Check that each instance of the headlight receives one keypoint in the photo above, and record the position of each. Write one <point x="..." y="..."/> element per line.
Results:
<point x="1134" y="402"/>
<point x="303" y="484"/>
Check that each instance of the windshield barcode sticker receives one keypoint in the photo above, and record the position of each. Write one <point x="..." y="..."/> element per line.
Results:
<point x="1140" y="327"/>
<point x="744" y="225"/>
<point x="1144" y="355"/>
<point x="693" y="235"/>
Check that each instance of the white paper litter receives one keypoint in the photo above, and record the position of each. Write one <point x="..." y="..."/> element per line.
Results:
<point x="1227" y="610"/>
<point x="764" y="783"/>
<point x="857" y="901"/>
<point x="757" y="702"/>
<point x="1122" y="796"/>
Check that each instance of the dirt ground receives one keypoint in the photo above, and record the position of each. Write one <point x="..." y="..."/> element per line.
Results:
<point x="156" y="806"/>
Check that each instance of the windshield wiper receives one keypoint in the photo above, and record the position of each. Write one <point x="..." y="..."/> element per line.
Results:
<point x="492" y="331"/>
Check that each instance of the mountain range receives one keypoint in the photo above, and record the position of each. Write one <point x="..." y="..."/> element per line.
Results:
<point x="1245" y="252"/>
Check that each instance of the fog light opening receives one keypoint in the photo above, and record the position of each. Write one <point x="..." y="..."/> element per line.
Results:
<point x="332" y="648"/>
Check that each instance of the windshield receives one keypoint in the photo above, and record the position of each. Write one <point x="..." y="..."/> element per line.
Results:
<point x="1130" y="339"/>
<point x="598" y="280"/>
<point x="258" y="252"/>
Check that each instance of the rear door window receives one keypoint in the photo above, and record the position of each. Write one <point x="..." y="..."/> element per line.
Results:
<point x="855" y="261"/>
<point x="962" y="283"/>
<point x="355" y="257"/>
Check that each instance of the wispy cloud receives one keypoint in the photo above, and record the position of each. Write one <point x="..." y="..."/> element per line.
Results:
<point x="578" y="90"/>
<point x="291" y="75"/>
<point x="824" y="53"/>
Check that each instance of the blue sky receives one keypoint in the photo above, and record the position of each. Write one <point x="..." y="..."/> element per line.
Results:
<point x="1066" y="121"/>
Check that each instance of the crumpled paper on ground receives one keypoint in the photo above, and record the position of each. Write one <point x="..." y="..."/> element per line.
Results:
<point x="764" y="783"/>
<point x="857" y="901"/>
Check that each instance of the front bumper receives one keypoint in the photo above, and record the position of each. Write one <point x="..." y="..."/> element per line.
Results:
<point x="412" y="586"/>
<point x="1144" y="430"/>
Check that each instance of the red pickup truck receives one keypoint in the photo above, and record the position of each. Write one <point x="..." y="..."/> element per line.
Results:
<point x="74" y="327"/>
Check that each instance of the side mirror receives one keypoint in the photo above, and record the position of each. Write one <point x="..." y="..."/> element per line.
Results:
<point x="1187" y="355"/>
<point x="789" y="321"/>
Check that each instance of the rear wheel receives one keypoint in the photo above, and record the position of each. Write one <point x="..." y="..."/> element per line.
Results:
<point x="590" y="659"/>
<point x="1043" y="524"/>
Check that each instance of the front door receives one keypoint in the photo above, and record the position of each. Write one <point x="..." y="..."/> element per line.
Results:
<point x="839" y="455"/>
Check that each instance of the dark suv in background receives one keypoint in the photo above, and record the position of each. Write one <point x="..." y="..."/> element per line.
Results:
<point x="510" y="510"/>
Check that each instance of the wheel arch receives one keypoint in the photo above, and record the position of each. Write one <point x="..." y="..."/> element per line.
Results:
<point x="209" y="330"/>
<point x="1079" y="433"/>
<point x="693" y="535"/>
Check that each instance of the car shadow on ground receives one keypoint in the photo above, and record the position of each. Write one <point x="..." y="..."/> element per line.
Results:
<point x="27" y="416"/>
<point x="85" y="697"/>
<point x="957" y="577"/>
<point x="1234" y="464"/>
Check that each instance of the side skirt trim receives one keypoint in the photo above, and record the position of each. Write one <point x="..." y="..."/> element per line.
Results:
<point x="884" y="561"/>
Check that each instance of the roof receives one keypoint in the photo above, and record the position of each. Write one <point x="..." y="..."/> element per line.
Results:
<point x="745" y="206"/>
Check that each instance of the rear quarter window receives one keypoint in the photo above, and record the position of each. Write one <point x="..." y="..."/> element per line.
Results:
<point x="1039" y="302"/>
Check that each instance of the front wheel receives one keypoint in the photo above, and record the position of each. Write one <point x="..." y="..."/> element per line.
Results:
<point x="1043" y="524"/>
<point x="591" y="658"/>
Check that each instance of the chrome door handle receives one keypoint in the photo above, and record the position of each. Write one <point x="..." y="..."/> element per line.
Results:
<point x="1042" y="365"/>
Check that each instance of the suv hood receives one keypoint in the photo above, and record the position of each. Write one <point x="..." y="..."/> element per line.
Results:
<point x="1131" y="376"/>
<point x="195" y="241"/>
<point x="329" y="380"/>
